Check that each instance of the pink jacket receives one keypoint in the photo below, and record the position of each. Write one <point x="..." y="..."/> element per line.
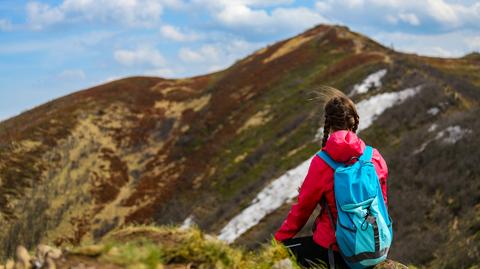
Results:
<point x="341" y="146"/>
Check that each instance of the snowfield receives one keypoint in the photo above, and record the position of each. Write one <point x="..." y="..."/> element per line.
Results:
<point x="452" y="134"/>
<point x="449" y="135"/>
<point x="272" y="197"/>
<point x="371" y="108"/>
<point x="373" y="80"/>
<point x="285" y="188"/>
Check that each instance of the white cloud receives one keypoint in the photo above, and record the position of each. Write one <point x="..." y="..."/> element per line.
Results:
<point x="251" y="3"/>
<point x="173" y="33"/>
<point x="300" y="17"/>
<point x="215" y="68"/>
<point x="41" y="15"/>
<point x="252" y="15"/>
<point x="449" y="15"/>
<point x="406" y="17"/>
<point x="409" y="18"/>
<point x="72" y="74"/>
<point x="189" y="55"/>
<point x="142" y="13"/>
<point x="175" y="4"/>
<point x="5" y="25"/>
<point x="264" y="3"/>
<point x="109" y="79"/>
<point x="452" y="44"/>
<point x="441" y="52"/>
<point x="140" y="57"/>
<point x="242" y="15"/>
<point x="323" y="6"/>
<point x="206" y="53"/>
<point x="279" y="19"/>
<point x="217" y="55"/>
<point x="161" y="72"/>
<point x="392" y="19"/>
<point x="354" y="3"/>
<point x="473" y="42"/>
<point x="70" y="44"/>
<point x="443" y="12"/>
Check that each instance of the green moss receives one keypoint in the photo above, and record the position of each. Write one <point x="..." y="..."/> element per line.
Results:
<point x="133" y="253"/>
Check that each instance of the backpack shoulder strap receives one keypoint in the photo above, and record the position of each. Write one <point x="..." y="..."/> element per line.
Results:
<point x="330" y="216"/>
<point x="367" y="154"/>
<point x="333" y="164"/>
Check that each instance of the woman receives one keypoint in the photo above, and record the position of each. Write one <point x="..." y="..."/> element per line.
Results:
<point x="342" y="144"/>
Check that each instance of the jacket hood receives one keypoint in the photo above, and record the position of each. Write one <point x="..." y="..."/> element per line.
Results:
<point x="342" y="145"/>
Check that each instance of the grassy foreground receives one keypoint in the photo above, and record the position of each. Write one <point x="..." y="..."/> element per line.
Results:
<point x="170" y="247"/>
<point x="161" y="247"/>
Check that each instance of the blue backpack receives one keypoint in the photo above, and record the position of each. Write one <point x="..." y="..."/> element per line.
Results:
<point x="364" y="228"/>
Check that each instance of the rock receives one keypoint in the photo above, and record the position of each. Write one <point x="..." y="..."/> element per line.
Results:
<point x="93" y="250"/>
<point x="23" y="258"/>
<point x="49" y="264"/>
<point x="44" y="251"/>
<point x="283" y="264"/>
<point x="10" y="264"/>
<point x="389" y="264"/>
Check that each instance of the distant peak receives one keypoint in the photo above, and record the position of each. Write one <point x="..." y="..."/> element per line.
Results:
<point x="473" y="56"/>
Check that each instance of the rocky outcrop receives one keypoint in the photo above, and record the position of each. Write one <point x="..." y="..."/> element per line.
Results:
<point x="45" y="257"/>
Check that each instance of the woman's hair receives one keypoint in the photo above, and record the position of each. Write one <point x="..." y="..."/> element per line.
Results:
<point x="340" y="112"/>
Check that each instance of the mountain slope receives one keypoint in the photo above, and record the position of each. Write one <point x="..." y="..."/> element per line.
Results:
<point x="155" y="150"/>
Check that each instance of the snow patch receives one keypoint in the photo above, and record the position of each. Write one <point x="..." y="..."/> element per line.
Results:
<point x="187" y="223"/>
<point x="433" y="111"/>
<point x="432" y="127"/>
<point x="273" y="196"/>
<point x="371" y="108"/>
<point x="452" y="134"/>
<point x="422" y="147"/>
<point x="284" y="188"/>
<point x="319" y="134"/>
<point x="373" y="80"/>
<point x="449" y="135"/>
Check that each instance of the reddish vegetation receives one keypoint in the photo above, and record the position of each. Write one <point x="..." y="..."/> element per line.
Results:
<point x="108" y="189"/>
<point x="351" y="62"/>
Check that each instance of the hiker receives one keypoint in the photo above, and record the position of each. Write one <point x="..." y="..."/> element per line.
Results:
<point x="341" y="144"/>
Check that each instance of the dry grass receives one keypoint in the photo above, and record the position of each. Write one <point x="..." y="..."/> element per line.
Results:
<point x="287" y="47"/>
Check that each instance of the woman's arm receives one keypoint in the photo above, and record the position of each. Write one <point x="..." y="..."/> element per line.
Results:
<point x="310" y="193"/>
<point x="382" y="172"/>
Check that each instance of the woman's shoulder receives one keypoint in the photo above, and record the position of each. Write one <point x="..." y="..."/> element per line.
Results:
<point x="379" y="161"/>
<point x="319" y="163"/>
<point x="376" y="155"/>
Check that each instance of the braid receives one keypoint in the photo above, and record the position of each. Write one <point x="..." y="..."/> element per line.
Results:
<point x="355" y="126"/>
<point x="326" y="131"/>
<point x="340" y="114"/>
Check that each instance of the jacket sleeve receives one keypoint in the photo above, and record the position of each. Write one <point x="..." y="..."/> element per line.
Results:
<point x="309" y="195"/>
<point x="382" y="172"/>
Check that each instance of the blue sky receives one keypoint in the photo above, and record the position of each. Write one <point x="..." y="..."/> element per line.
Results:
<point x="51" y="48"/>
